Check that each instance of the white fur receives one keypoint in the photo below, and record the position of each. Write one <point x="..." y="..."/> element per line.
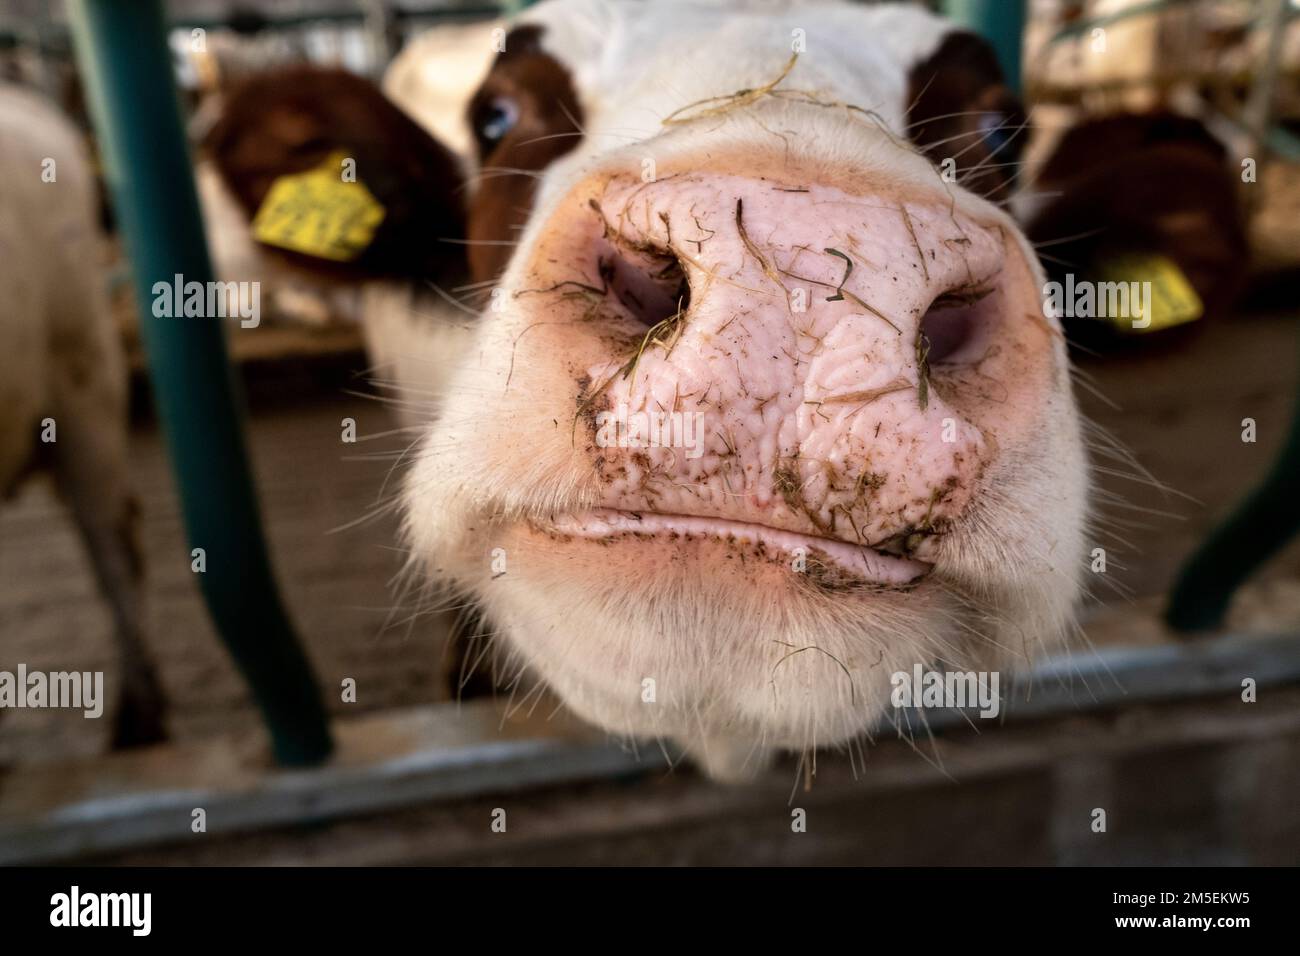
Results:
<point x="435" y="75"/>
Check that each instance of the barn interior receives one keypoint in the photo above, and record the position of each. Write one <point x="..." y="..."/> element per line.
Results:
<point x="1147" y="718"/>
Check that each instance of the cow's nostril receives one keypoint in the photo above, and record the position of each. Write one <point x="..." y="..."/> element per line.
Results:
<point x="650" y="284"/>
<point x="950" y="323"/>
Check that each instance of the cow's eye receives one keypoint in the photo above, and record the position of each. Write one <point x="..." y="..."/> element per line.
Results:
<point x="494" y="119"/>
<point x="996" y="129"/>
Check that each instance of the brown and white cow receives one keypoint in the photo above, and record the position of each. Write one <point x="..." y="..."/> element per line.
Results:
<point x="736" y="217"/>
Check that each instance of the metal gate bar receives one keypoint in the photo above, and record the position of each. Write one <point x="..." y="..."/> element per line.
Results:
<point x="1001" y="22"/>
<point x="123" y="55"/>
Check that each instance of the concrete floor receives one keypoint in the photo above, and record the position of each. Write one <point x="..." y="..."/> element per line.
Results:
<point x="1180" y="412"/>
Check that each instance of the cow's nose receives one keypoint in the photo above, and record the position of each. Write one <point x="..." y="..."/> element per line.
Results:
<point x="845" y="363"/>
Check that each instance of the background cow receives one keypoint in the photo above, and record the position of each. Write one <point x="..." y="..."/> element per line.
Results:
<point x="63" y="395"/>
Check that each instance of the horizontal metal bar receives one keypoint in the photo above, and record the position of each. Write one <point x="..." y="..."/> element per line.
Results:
<point x="396" y="759"/>
<point x="282" y="21"/>
<point x="383" y="761"/>
<point x="56" y="35"/>
<point x="1134" y="675"/>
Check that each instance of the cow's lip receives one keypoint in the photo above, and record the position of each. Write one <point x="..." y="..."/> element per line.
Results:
<point x="863" y="563"/>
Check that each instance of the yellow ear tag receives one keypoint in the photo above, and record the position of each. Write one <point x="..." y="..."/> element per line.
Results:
<point x="1169" y="298"/>
<point x="318" y="214"/>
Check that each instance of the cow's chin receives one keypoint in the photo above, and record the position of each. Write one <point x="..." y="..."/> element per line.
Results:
<point x="732" y="651"/>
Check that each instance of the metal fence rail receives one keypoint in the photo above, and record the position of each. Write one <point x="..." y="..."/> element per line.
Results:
<point x="123" y="55"/>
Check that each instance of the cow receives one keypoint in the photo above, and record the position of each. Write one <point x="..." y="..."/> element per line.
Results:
<point x="63" y="376"/>
<point x="1137" y="182"/>
<point x="732" y="389"/>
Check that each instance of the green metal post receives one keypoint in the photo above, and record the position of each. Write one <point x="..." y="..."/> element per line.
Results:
<point x="125" y="63"/>
<point x="1001" y="22"/>
<point x="1261" y="525"/>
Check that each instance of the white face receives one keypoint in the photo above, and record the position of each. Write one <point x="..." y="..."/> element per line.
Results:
<point x="853" y="448"/>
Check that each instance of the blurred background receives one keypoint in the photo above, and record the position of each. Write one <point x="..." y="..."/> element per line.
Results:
<point x="1207" y="90"/>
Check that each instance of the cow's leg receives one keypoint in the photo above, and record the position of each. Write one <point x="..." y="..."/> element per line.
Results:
<point x="107" y="521"/>
<point x="90" y="469"/>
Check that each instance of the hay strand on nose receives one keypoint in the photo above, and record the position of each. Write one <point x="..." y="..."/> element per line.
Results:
<point x="717" y="105"/>
<point x="753" y="249"/>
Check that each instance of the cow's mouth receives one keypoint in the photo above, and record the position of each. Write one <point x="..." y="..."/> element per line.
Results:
<point x="802" y="552"/>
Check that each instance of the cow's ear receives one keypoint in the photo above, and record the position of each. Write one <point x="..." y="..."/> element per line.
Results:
<point x="338" y="179"/>
<point x="962" y="115"/>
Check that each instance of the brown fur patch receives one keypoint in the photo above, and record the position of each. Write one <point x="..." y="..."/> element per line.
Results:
<point x="548" y="127"/>
<point x="961" y="108"/>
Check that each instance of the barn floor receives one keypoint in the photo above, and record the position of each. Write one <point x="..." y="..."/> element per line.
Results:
<point x="1180" y="412"/>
